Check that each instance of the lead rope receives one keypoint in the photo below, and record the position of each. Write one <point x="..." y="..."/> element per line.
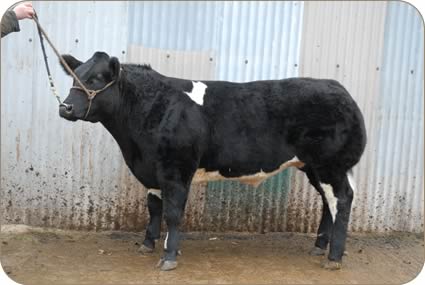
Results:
<point x="41" y="33"/>
<point x="46" y="63"/>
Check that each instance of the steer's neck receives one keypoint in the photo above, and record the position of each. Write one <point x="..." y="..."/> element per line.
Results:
<point x="129" y="113"/>
<point x="119" y="131"/>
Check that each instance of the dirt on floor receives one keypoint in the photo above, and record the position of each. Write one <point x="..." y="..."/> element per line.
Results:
<point x="41" y="256"/>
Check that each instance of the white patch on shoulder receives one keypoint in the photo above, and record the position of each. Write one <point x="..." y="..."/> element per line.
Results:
<point x="331" y="199"/>
<point x="155" y="192"/>
<point x="351" y="181"/>
<point x="198" y="92"/>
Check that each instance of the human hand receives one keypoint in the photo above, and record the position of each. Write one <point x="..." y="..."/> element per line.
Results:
<point x="24" y="10"/>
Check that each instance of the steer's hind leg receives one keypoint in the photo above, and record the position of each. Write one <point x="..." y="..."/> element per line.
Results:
<point x="324" y="231"/>
<point x="153" y="230"/>
<point x="326" y="224"/>
<point x="343" y="194"/>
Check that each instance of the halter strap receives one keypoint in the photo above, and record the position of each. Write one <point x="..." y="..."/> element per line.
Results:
<point x="92" y="93"/>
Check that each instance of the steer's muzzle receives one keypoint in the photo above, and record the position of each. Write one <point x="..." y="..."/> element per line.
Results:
<point x="66" y="111"/>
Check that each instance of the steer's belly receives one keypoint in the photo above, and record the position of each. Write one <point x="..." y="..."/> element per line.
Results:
<point x="202" y="176"/>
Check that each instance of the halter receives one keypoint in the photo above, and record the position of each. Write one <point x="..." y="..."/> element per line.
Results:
<point x="92" y="93"/>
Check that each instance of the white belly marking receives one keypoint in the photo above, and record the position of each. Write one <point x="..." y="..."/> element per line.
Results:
<point x="202" y="176"/>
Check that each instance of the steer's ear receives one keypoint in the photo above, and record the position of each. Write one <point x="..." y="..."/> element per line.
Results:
<point x="114" y="66"/>
<point x="72" y="62"/>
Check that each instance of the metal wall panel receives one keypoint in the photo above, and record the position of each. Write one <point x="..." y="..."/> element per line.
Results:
<point x="259" y="40"/>
<point x="232" y="40"/>
<point x="398" y="161"/>
<point x="175" y="38"/>
<point x="174" y="25"/>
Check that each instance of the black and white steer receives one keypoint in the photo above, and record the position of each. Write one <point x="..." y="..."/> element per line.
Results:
<point x="173" y="132"/>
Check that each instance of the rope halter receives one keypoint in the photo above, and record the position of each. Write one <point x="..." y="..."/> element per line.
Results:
<point x="92" y="93"/>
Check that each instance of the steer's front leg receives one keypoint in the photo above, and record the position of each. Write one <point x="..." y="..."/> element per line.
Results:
<point x="178" y="159"/>
<point x="174" y="200"/>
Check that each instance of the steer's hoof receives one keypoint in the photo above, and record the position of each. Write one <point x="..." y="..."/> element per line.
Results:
<point x="143" y="249"/>
<point x="331" y="265"/>
<point x="168" y="265"/>
<point x="317" y="251"/>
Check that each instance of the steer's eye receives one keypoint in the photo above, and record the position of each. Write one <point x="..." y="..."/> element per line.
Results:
<point x="92" y="81"/>
<point x="95" y="79"/>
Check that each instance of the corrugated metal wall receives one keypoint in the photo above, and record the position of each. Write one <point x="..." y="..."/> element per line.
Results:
<point x="397" y="163"/>
<point x="71" y="175"/>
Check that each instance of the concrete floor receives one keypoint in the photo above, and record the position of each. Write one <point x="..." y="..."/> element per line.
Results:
<point x="41" y="256"/>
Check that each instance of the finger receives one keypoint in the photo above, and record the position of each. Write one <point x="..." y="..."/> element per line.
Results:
<point x="29" y="10"/>
<point x="28" y="4"/>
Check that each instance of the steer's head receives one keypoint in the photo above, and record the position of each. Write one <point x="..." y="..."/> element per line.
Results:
<point x="96" y="73"/>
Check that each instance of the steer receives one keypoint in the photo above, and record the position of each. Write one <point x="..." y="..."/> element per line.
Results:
<point x="173" y="132"/>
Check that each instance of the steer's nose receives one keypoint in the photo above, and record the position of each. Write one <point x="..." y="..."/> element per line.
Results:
<point x="65" y="110"/>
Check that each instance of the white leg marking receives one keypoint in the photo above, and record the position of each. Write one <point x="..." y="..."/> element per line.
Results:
<point x="198" y="92"/>
<point x="165" y="241"/>
<point x="155" y="192"/>
<point x="332" y="200"/>
<point x="351" y="181"/>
